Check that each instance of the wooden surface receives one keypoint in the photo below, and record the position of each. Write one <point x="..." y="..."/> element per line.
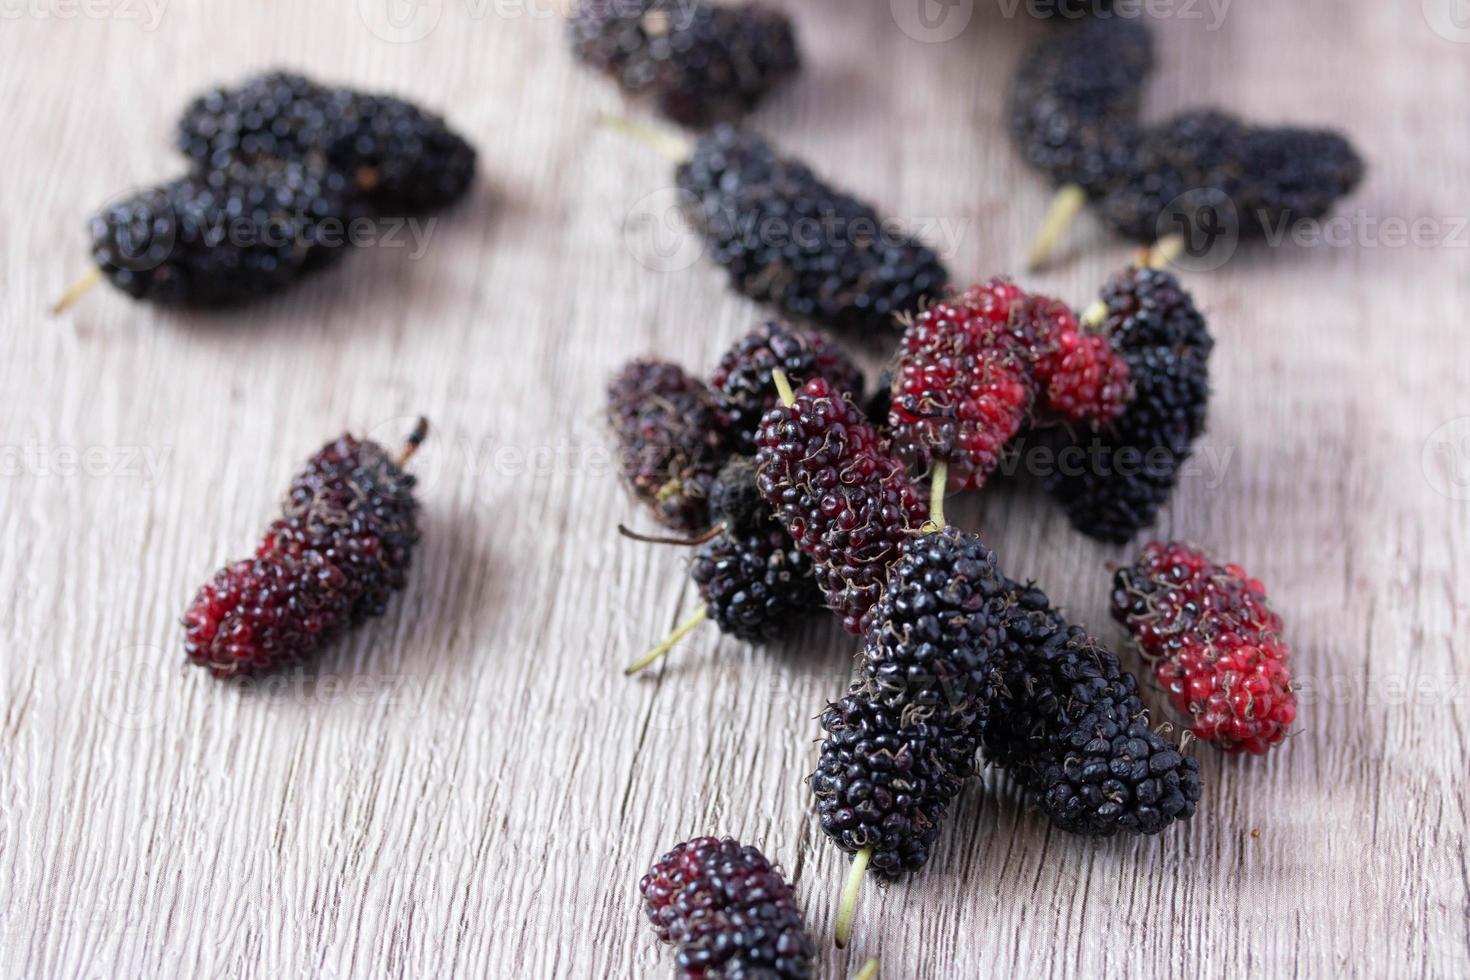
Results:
<point x="469" y="786"/>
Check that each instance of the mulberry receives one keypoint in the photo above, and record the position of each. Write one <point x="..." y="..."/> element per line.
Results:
<point x="400" y="157"/>
<point x="1068" y="725"/>
<point x="787" y="238"/>
<point x="961" y="391"/>
<point x="728" y="912"/>
<point x="754" y="585"/>
<point x="1113" y="482"/>
<point x="223" y="237"/>
<point x="1214" y="642"/>
<point x="742" y="381"/>
<point x="671" y="438"/>
<point x="341" y="546"/>
<point x="700" y="62"/>
<point x="847" y="504"/>
<point x="1079" y="376"/>
<point x="735" y="500"/>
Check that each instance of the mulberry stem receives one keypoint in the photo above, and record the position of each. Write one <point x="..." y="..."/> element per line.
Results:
<point x="868" y="972"/>
<point x="680" y="631"/>
<point x="665" y="144"/>
<point x="850" y="888"/>
<point x="77" y="290"/>
<point x="1065" y="205"/>
<point x="415" y="440"/>
<point x="783" y="387"/>
<point x="1165" y="251"/>
<point x="709" y="535"/>
<point x="939" y="480"/>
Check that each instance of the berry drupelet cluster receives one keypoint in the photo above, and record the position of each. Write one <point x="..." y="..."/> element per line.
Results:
<point x="847" y="504"/>
<point x="341" y="547"/>
<point x="1126" y="470"/>
<point x="787" y="238"/>
<point x="1214" y="642"/>
<point x="728" y="912"/>
<point x="699" y="62"/>
<point x="671" y="439"/>
<point x="1068" y="725"/>
<point x="743" y="383"/>
<point x="401" y="158"/>
<point x="1079" y="377"/>
<point x="224" y="236"/>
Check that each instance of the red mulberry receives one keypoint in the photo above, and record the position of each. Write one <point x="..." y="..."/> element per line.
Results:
<point x="1079" y="376"/>
<point x="742" y="381"/>
<point x="847" y="504"/>
<point x="728" y="912"/>
<point x="672" y="440"/>
<point x="341" y="547"/>
<point x="1214" y="642"/>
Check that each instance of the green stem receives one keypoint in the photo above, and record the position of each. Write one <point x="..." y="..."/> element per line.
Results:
<point x="868" y="972"/>
<point x="783" y="387"/>
<point x="850" y="888"/>
<point x="77" y="290"/>
<point x="1065" y="205"/>
<point x="668" y="145"/>
<point x="680" y="631"/>
<point x="938" y="483"/>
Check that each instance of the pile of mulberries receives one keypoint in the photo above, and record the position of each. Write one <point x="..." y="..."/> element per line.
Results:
<point x="1067" y="723"/>
<point x="340" y="548"/>
<point x="1214" y="641"/>
<point x="224" y="236"/>
<point x="671" y="440"/>
<point x="743" y="382"/>
<point x="699" y="62"/>
<point x="787" y="238"/>
<point x="728" y="912"/>
<point x="1118" y="476"/>
<point x="400" y="157"/>
<point x="847" y="503"/>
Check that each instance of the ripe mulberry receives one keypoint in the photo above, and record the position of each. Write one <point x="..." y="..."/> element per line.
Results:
<point x="728" y="912"/>
<point x="224" y="237"/>
<point x="1214" y="642"/>
<point x="1068" y="725"/>
<point x="847" y="504"/>
<point x="933" y="640"/>
<point x="341" y="546"/>
<point x="961" y="390"/>
<point x="1112" y="482"/>
<point x="1074" y="102"/>
<point x="1197" y="162"/>
<point x="787" y="238"/>
<point x="400" y="157"/>
<point x="753" y="585"/>
<point x="671" y="439"/>
<point x="735" y="500"/>
<point x="700" y="62"/>
<point x="742" y="381"/>
<point x="886" y="776"/>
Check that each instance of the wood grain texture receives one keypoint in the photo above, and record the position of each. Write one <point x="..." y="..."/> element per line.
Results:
<point x="469" y="786"/>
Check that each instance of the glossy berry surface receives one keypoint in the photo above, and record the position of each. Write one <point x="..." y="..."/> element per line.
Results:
<point x="1079" y="376"/>
<point x="755" y="584"/>
<point x="728" y="912"/>
<point x="1215" y="644"/>
<point x="342" y="545"/>
<point x="789" y="239"/>
<point x="847" y="504"/>
<point x="671" y="440"/>
<point x="743" y="384"/>
<point x="961" y="388"/>
<point x="698" y="62"/>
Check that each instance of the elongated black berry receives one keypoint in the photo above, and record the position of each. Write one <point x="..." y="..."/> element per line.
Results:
<point x="1112" y="481"/>
<point x="789" y="239"/>
<point x="1068" y="725"/>
<point x="398" y="156"/>
<point x="699" y="62"/>
<point x="671" y="440"/>
<point x="728" y="912"/>
<point x="755" y="584"/>
<point x="225" y="237"/>
<point x="341" y="547"/>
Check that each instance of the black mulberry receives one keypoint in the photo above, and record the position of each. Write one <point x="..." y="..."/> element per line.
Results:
<point x="728" y="912"/>
<point x="671" y="439"/>
<point x="787" y="238"/>
<point x="753" y="585"/>
<point x="700" y="62"/>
